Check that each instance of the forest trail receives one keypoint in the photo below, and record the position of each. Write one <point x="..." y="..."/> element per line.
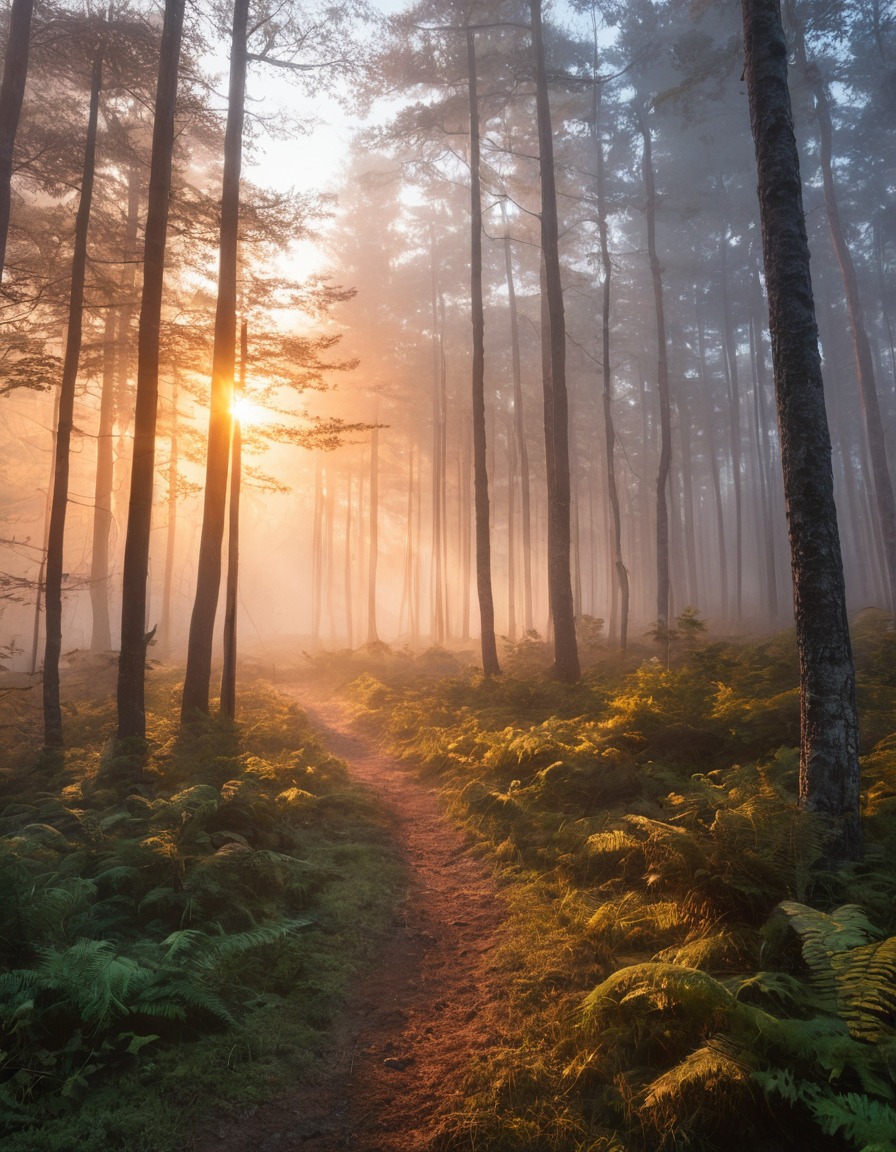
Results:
<point x="430" y="1005"/>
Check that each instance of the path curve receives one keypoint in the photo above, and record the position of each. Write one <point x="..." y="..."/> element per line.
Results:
<point x="414" y="1024"/>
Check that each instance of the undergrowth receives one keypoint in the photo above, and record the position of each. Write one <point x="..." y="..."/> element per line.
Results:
<point x="681" y="973"/>
<point x="178" y="948"/>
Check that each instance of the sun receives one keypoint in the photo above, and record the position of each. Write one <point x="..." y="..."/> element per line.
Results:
<point x="245" y="411"/>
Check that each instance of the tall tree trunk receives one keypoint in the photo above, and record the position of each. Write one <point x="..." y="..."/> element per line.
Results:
<point x="231" y="591"/>
<point x="885" y="501"/>
<point x="519" y="427"/>
<point x="407" y="574"/>
<point x="620" y="570"/>
<point x="662" y="379"/>
<point x="39" y="597"/>
<point x="347" y="574"/>
<point x="317" y="561"/>
<point x="101" y="632"/>
<point x="566" y="655"/>
<point x="171" y="527"/>
<point x="763" y="451"/>
<point x="511" y="535"/>
<point x="373" y="533"/>
<point x="438" y="463"/>
<point x="829" y="760"/>
<point x="730" y="343"/>
<point x="208" y="575"/>
<point x="466" y="550"/>
<point x="713" y="460"/>
<point x="56" y="534"/>
<point x="132" y="662"/>
<point x="116" y="348"/>
<point x="687" y="501"/>
<point x="12" y="92"/>
<point x="489" y="648"/>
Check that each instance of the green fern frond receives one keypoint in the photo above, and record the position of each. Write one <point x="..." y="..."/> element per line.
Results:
<point x="859" y="1118"/>
<point x="185" y="939"/>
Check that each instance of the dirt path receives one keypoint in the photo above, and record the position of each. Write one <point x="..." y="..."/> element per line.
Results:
<point x="413" y="1024"/>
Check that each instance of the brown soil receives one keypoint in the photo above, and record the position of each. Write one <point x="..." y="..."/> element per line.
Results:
<point x="414" y="1024"/>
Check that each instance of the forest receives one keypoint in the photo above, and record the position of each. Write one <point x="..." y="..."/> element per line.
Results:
<point x="447" y="640"/>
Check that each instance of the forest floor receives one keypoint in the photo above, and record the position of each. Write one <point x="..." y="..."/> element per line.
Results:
<point x="433" y="1003"/>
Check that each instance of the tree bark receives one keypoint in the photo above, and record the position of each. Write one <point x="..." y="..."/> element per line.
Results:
<point x="662" y="379"/>
<point x="713" y="460"/>
<point x="730" y="343"/>
<point x="438" y="464"/>
<point x="317" y="554"/>
<point x="566" y="656"/>
<point x="171" y="528"/>
<point x="489" y="649"/>
<point x="373" y="534"/>
<point x="132" y="662"/>
<point x="12" y="92"/>
<point x="829" y="763"/>
<point x="620" y="570"/>
<point x="116" y="347"/>
<point x="231" y="592"/>
<point x="56" y="534"/>
<point x="208" y="576"/>
<point x="101" y="631"/>
<point x="347" y="572"/>
<point x="519" y="428"/>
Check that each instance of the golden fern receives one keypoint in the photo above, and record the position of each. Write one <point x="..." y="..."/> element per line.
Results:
<point x="866" y="988"/>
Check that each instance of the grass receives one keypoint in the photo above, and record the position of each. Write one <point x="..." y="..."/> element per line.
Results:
<point x="179" y="951"/>
<point x="660" y="994"/>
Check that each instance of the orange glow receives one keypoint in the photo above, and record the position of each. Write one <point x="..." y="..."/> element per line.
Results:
<point x="245" y="411"/>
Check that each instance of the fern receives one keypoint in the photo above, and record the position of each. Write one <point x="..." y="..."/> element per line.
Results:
<point x="852" y="971"/>
<point x="868" y="1123"/>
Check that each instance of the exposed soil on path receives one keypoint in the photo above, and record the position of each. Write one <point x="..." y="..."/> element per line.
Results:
<point x="430" y="1007"/>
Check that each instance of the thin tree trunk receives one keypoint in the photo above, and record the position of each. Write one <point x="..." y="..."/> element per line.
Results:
<point x="466" y="551"/>
<point x="829" y="760"/>
<point x="12" y="92"/>
<point x="56" y="535"/>
<point x="687" y="484"/>
<point x="208" y="576"/>
<point x="317" y="581"/>
<point x="621" y="588"/>
<point x="101" y="632"/>
<point x="171" y="528"/>
<point x="764" y="455"/>
<point x="404" y="609"/>
<point x="132" y="662"/>
<point x="566" y="656"/>
<point x="490" y="666"/>
<point x="519" y="427"/>
<point x="39" y="593"/>
<point x="730" y="343"/>
<point x="511" y="535"/>
<point x="713" y="462"/>
<point x="231" y="592"/>
<point x="116" y="347"/>
<point x="662" y="478"/>
<point x="347" y="573"/>
<point x="438" y="372"/>
<point x="373" y="534"/>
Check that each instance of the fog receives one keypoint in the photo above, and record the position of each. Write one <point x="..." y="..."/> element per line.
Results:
<point x="357" y="520"/>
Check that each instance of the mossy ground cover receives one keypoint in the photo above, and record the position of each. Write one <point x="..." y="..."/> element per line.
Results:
<point x="179" y="948"/>
<point x="681" y="972"/>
